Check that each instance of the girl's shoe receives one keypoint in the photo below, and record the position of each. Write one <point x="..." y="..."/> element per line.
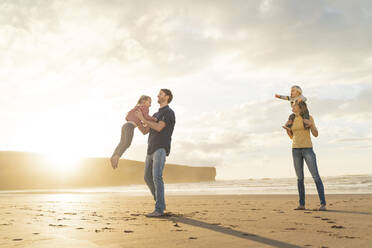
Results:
<point x="306" y="126"/>
<point x="289" y="123"/>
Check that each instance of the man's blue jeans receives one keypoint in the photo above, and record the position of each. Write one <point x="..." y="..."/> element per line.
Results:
<point x="154" y="177"/>
<point x="307" y="154"/>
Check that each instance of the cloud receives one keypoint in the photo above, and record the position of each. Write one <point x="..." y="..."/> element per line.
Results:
<point x="353" y="139"/>
<point x="254" y="130"/>
<point x="358" y="108"/>
<point x="169" y="39"/>
<point x="224" y="60"/>
<point x="362" y="139"/>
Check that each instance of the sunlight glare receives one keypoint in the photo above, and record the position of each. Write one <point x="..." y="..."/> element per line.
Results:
<point x="63" y="163"/>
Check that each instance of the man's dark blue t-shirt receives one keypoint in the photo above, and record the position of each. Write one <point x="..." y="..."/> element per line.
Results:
<point x="163" y="138"/>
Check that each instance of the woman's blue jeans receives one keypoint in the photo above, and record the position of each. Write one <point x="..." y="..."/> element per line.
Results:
<point x="307" y="154"/>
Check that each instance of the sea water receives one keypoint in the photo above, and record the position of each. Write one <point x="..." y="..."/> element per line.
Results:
<point x="350" y="184"/>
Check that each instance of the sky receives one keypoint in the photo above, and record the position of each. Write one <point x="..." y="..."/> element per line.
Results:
<point x="71" y="70"/>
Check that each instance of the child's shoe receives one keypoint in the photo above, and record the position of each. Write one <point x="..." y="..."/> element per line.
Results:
<point x="289" y="123"/>
<point x="306" y="126"/>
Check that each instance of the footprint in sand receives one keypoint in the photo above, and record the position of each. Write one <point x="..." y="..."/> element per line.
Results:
<point x="323" y="231"/>
<point x="107" y="229"/>
<point x="193" y="238"/>
<point x="290" y="229"/>
<point x="94" y="214"/>
<point x="35" y="233"/>
<point x="248" y="234"/>
<point x="337" y="227"/>
<point x="79" y="228"/>
<point x="129" y="218"/>
<point x="346" y="237"/>
<point x="60" y="225"/>
<point x="331" y="222"/>
<point x="17" y="239"/>
<point x="128" y="231"/>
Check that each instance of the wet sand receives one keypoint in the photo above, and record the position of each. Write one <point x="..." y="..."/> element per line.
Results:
<point x="114" y="220"/>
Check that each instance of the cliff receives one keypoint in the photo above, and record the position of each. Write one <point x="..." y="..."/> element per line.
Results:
<point x="20" y="170"/>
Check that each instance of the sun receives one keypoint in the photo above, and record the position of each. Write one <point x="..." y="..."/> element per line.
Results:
<point x="62" y="163"/>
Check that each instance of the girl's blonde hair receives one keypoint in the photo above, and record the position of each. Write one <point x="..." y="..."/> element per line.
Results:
<point x="143" y="98"/>
<point x="298" y="88"/>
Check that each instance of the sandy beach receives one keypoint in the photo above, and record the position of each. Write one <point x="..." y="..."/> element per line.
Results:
<point x="114" y="220"/>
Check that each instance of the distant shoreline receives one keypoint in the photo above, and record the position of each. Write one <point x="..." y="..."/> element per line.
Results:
<point x="22" y="170"/>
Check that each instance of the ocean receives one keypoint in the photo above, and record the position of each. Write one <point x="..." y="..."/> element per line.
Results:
<point x="348" y="184"/>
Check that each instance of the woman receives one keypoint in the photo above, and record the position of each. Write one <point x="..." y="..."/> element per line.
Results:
<point x="302" y="149"/>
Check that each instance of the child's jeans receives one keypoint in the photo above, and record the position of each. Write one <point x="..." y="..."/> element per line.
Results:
<point x="127" y="132"/>
<point x="305" y="115"/>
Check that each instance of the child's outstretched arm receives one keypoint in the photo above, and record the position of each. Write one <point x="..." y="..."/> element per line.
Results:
<point x="282" y="97"/>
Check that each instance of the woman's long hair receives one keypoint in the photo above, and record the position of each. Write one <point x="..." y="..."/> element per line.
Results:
<point x="303" y="107"/>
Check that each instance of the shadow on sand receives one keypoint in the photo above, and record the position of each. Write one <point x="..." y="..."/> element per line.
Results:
<point x="347" y="212"/>
<point x="231" y="232"/>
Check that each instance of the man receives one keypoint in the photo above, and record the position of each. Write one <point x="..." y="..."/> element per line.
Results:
<point x="159" y="144"/>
